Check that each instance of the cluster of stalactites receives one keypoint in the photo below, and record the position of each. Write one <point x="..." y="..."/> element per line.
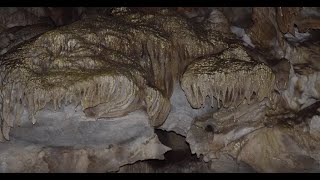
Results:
<point x="230" y="82"/>
<point x="169" y="41"/>
<point x="163" y="45"/>
<point x="159" y="44"/>
<point x="118" y="92"/>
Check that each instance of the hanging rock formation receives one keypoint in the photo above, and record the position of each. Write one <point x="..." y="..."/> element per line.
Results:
<point x="227" y="79"/>
<point x="86" y="97"/>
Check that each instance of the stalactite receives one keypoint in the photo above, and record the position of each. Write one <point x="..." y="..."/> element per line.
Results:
<point x="227" y="78"/>
<point x="104" y="63"/>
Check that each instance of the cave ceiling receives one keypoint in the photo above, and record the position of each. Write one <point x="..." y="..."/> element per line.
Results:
<point x="88" y="89"/>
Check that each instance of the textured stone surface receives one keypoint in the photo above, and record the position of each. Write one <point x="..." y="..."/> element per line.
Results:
<point x="213" y="136"/>
<point x="281" y="150"/>
<point x="182" y="114"/>
<point x="68" y="141"/>
<point x="281" y="147"/>
<point x="23" y="16"/>
<point x="180" y="160"/>
<point x="303" y="90"/>
<point x="98" y="56"/>
<point x="109" y="67"/>
<point x="17" y="35"/>
<point x="228" y="80"/>
<point x="87" y="96"/>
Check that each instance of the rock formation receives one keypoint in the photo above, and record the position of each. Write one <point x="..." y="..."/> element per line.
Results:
<point x="88" y="96"/>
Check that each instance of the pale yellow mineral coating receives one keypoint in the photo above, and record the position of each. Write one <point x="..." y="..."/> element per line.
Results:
<point x="109" y="65"/>
<point x="236" y="51"/>
<point x="86" y="88"/>
<point x="186" y="42"/>
<point x="230" y="81"/>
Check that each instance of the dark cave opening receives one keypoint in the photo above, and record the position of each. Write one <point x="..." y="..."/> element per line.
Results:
<point x="181" y="160"/>
<point x="180" y="148"/>
<point x="178" y="160"/>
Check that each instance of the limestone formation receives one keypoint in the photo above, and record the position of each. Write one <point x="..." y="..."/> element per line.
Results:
<point x="17" y="35"/>
<point x="228" y="80"/>
<point x="67" y="140"/>
<point x="88" y="96"/>
<point x="109" y="65"/>
<point x="182" y="115"/>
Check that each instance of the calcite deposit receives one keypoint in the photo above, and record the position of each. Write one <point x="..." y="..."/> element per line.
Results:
<point x="228" y="80"/>
<point x="67" y="140"/>
<point x="239" y="87"/>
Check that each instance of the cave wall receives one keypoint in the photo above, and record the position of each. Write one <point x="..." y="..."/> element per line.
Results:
<point x="88" y="89"/>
